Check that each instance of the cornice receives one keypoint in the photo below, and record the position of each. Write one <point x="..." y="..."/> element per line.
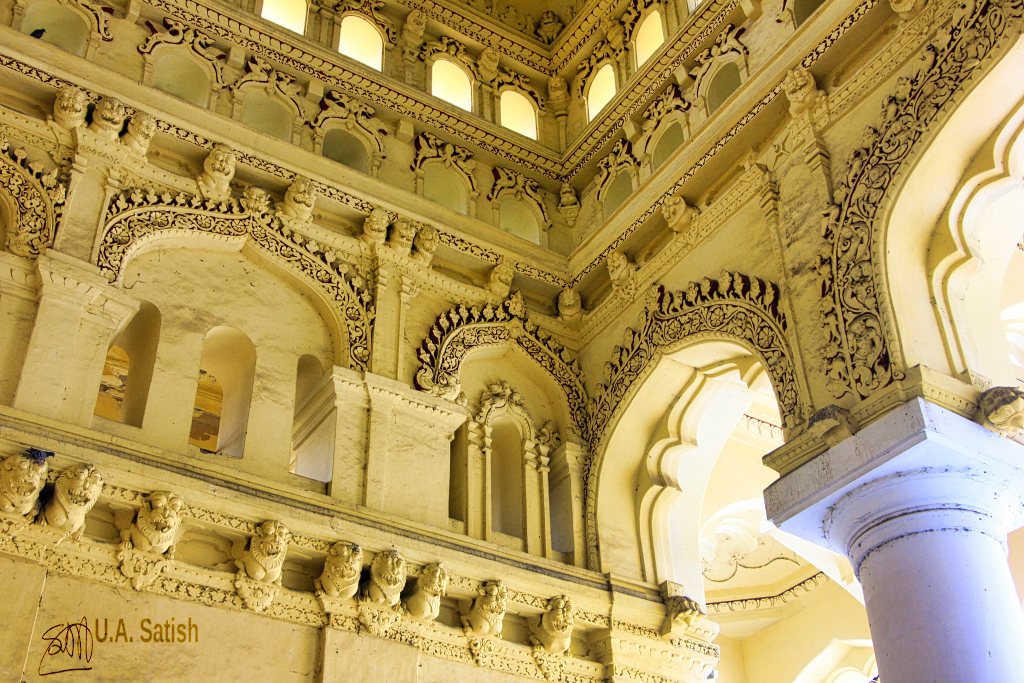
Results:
<point x="768" y="601"/>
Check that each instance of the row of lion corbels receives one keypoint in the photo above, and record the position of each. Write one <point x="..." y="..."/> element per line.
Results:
<point x="148" y="538"/>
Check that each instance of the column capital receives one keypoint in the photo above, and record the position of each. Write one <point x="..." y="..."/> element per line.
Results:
<point x="919" y="468"/>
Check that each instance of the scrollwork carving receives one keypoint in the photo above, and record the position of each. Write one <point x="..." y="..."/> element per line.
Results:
<point x="39" y="197"/>
<point x="463" y="328"/>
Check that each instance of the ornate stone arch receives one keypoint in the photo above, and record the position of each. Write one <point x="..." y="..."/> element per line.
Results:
<point x="463" y="328"/>
<point x="370" y="10"/>
<point x="37" y="198"/>
<point x="511" y="185"/>
<point x="619" y="160"/>
<point x="95" y="18"/>
<point x="668" y="109"/>
<point x="735" y="308"/>
<point x="855" y="302"/>
<point x="727" y="50"/>
<point x="339" y="110"/>
<point x="137" y="218"/>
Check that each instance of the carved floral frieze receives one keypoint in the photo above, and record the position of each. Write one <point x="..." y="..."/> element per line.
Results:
<point x="38" y="196"/>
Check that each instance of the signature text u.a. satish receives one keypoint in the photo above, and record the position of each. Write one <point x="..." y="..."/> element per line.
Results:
<point x="148" y="631"/>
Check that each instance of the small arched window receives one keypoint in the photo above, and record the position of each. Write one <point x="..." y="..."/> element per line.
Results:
<point x="312" y="432"/>
<point x="61" y="26"/>
<point x="268" y="114"/>
<point x="617" y="192"/>
<point x="290" y="14"/>
<point x="360" y="40"/>
<point x="671" y="140"/>
<point x="648" y="37"/>
<point x="724" y="84"/>
<point x="601" y="90"/>
<point x="446" y="186"/>
<point x="803" y="9"/>
<point x="450" y="83"/>
<point x="180" y="75"/>
<point x="516" y="217"/>
<point x="518" y="114"/>
<point x="346" y="149"/>
<point x="223" y="392"/>
<point x="128" y="369"/>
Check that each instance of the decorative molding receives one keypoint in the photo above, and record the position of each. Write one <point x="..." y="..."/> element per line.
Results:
<point x="507" y="182"/>
<point x="464" y="328"/>
<point x="369" y="10"/>
<point x="137" y="217"/>
<point x="38" y="197"/>
<point x="861" y="356"/>
<point x="194" y="40"/>
<point x="768" y="601"/>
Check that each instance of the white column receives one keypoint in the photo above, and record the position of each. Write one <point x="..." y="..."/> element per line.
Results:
<point x="921" y="501"/>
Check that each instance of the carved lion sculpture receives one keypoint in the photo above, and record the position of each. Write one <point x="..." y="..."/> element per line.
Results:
<point x="487" y="612"/>
<point x="553" y="629"/>
<point x="402" y="235"/>
<point x="141" y="129"/>
<point x="425" y="601"/>
<point x="340" y="578"/>
<point x="156" y="526"/>
<point x="425" y="244"/>
<point x="387" y="578"/>
<point x="76" y="491"/>
<point x="570" y="306"/>
<point x="1001" y="409"/>
<point x="22" y="477"/>
<point x="499" y="282"/>
<point x="375" y="227"/>
<point x="299" y="200"/>
<point x="218" y="170"/>
<point x="108" y="118"/>
<point x="70" y="108"/>
<point x="267" y="550"/>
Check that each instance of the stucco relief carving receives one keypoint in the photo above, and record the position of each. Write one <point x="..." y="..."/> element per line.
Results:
<point x="371" y="10"/>
<point x="678" y="214"/>
<point x="801" y="90"/>
<point x="137" y="215"/>
<point x="341" y="110"/>
<point x="340" y="578"/>
<point x="147" y="545"/>
<point x="431" y="585"/>
<point x="179" y="35"/>
<point x="426" y="243"/>
<point x="1001" y="410"/>
<point x="259" y="566"/>
<point x="622" y="271"/>
<point x="70" y="107"/>
<point x="486" y="614"/>
<point x="387" y="579"/>
<point x="375" y="227"/>
<point x="38" y="197"/>
<point x="261" y="74"/>
<point x="299" y="200"/>
<point x="499" y="280"/>
<point x="218" y="169"/>
<point x="570" y="306"/>
<point x="463" y="328"/>
<point x="403" y="233"/>
<point x="568" y="204"/>
<point x="22" y="477"/>
<point x="518" y="186"/>
<point x="859" y="358"/>
<point x="108" y="117"/>
<point x="549" y="27"/>
<point x="412" y="34"/>
<point x="619" y="159"/>
<point x="552" y="631"/>
<point x="140" y="132"/>
<point x="602" y="52"/>
<point x="74" y="494"/>
<point x="432" y="149"/>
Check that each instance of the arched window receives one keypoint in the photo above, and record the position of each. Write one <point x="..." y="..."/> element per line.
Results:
<point x="803" y="9"/>
<point x="360" y="40"/>
<point x="180" y="75"/>
<point x="128" y="369"/>
<point x="312" y="431"/>
<point x="517" y="217"/>
<point x="671" y="140"/>
<point x="518" y="114"/>
<point x="223" y="392"/>
<point x="268" y="114"/>
<point x="724" y="84"/>
<point x="446" y="186"/>
<point x="506" y="478"/>
<point x="449" y="82"/>
<point x="648" y="37"/>
<point x="62" y="26"/>
<point x="617" y="191"/>
<point x="346" y="149"/>
<point x="288" y="13"/>
<point x="601" y="90"/>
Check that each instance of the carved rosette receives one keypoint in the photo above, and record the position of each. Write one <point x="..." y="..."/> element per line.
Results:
<point x="858" y="357"/>
<point x="38" y="196"/>
<point x="255" y="595"/>
<point x="137" y="217"/>
<point x="141" y="569"/>
<point x="464" y="328"/>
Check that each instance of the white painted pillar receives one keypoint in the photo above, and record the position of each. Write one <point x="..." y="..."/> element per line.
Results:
<point x="921" y="501"/>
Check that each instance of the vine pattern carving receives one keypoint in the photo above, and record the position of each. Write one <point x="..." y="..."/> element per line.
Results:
<point x="38" y="196"/>
<point x="136" y="216"/>
<point x="858" y="357"/>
